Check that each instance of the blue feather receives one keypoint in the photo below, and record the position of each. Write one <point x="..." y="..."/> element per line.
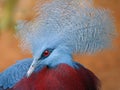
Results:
<point x="14" y="74"/>
<point x="75" y="24"/>
<point x="68" y="26"/>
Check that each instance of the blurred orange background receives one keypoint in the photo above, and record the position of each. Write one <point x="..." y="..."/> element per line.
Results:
<point x="106" y="65"/>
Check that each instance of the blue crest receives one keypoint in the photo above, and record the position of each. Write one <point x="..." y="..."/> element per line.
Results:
<point x="75" y="24"/>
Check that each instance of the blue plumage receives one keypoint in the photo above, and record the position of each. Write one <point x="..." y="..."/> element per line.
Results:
<point x="63" y="28"/>
<point x="74" y="24"/>
<point x="15" y="73"/>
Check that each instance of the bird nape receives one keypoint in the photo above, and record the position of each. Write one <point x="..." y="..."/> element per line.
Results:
<point x="64" y="27"/>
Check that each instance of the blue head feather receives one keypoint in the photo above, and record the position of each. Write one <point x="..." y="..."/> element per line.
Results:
<point x="68" y="27"/>
<point x="76" y="25"/>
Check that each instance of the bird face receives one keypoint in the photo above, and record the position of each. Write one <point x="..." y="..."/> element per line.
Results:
<point x="36" y="61"/>
<point x="50" y="57"/>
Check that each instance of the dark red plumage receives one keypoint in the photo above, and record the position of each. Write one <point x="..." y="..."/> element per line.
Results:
<point x="63" y="77"/>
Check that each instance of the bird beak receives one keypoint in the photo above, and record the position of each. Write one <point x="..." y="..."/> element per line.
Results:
<point x="32" y="68"/>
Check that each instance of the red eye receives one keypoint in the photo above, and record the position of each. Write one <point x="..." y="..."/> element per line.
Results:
<point x="46" y="53"/>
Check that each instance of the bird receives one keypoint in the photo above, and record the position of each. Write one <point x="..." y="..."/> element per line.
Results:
<point x="64" y="28"/>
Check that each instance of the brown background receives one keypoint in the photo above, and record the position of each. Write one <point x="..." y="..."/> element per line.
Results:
<point x="106" y="65"/>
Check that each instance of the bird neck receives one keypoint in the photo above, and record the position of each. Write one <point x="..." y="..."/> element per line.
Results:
<point x="65" y="59"/>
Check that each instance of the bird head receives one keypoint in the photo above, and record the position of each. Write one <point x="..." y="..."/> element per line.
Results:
<point x="50" y="56"/>
<point x="63" y="28"/>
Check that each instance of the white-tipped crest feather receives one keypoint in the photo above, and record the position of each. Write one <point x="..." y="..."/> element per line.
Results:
<point x="76" y="24"/>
